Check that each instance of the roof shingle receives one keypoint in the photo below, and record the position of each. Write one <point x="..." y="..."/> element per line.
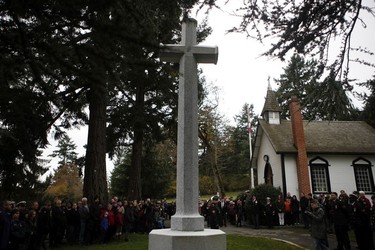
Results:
<point x="340" y="137"/>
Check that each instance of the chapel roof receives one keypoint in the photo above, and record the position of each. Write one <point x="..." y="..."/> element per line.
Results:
<point x="271" y="104"/>
<point x="324" y="137"/>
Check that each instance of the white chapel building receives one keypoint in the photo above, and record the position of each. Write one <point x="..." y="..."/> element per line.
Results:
<point x="315" y="157"/>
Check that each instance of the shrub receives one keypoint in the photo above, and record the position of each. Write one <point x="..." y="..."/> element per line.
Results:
<point x="263" y="191"/>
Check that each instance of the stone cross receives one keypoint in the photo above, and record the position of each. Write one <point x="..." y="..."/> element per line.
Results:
<point x="188" y="54"/>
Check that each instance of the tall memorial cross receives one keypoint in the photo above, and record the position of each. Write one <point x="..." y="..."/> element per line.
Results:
<point x="188" y="54"/>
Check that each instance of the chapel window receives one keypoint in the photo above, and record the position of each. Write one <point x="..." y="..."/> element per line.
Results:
<point x="319" y="175"/>
<point x="363" y="175"/>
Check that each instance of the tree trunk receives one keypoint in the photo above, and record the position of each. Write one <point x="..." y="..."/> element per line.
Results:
<point x="216" y="171"/>
<point x="135" y="184"/>
<point x="95" y="179"/>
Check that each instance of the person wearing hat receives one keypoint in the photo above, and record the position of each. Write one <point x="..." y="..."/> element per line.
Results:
<point x="21" y="206"/>
<point x="319" y="225"/>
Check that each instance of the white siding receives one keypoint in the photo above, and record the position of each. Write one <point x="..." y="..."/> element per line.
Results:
<point x="341" y="171"/>
<point x="291" y="175"/>
<point x="274" y="159"/>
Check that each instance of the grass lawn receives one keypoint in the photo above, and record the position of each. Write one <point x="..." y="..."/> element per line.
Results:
<point x="234" y="242"/>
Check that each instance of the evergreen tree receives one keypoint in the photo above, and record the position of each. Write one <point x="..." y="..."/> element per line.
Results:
<point x="326" y="100"/>
<point x="65" y="151"/>
<point x="298" y="77"/>
<point x="238" y="161"/>
<point x="368" y="113"/>
<point x="64" y="56"/>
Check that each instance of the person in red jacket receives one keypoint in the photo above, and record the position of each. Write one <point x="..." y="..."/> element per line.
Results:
<point x="288" y="211"/>
<point x="107" y="213"/>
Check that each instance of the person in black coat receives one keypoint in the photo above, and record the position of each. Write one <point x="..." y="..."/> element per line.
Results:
<point x="362" y="224"/>
<point x="58" y="220"/>
<point x="341" y="219"/>
<point x="72" y="223"/>
<point x="295" y="205"/>
<point x="255" y="211"/>
<point x="44" y="224"/>
<point x="31" y="230"/>
<point x="269" y="212"/>
<point x="17" y="231"/>
<point x="5" y="221"/>
<point x="214" y="219"/>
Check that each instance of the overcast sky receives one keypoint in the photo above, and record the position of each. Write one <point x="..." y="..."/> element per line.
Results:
<point x="241" y="73"/>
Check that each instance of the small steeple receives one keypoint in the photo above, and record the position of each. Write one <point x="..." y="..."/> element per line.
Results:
<point x="269" y="84"/>
<point x="271" y="109"/>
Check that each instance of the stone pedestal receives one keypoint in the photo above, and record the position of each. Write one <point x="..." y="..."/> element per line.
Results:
<point x="167" y="239"/>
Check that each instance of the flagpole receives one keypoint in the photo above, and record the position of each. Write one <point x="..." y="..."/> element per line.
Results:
<point x="249" y="130"/>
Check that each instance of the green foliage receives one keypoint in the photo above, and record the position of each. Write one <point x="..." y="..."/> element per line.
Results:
<point x="66" y="184"/>
<point x="237" y="182"/>
<point x="158" y="171"/>
<point x="298" y="78"/>
<point x="157" y="174"/>
<point x="171" y="191"/>
<point x="368" y="113"/>
<point x="207" y="185"/>
<point x="236" y="150"/>
<point x="326" y="100"/>
<point x="119" y="180"/>
<point x="263" y="191"/>
<point x="65" y="151"/>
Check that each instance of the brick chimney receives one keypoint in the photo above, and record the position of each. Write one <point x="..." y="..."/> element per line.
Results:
<point x="299" y="143"/>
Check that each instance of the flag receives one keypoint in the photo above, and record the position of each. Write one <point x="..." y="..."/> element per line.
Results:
<point x="249" y="121"/>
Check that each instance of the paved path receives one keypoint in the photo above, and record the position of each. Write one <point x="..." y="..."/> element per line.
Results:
<point x="296" y="235"/>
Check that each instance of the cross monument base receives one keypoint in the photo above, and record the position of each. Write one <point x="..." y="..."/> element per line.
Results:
<point x="168" y="239"/>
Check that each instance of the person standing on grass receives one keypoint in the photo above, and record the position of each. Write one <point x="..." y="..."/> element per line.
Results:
<point x="318" y="225"/>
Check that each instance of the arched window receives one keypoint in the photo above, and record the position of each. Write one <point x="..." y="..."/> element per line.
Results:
<point x="363" y="175"/>
<point x="319" y="175"/>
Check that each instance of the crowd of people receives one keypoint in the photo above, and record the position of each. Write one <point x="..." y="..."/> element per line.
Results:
<point x="29" y="226"/>
<point x="323" y="214"/>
